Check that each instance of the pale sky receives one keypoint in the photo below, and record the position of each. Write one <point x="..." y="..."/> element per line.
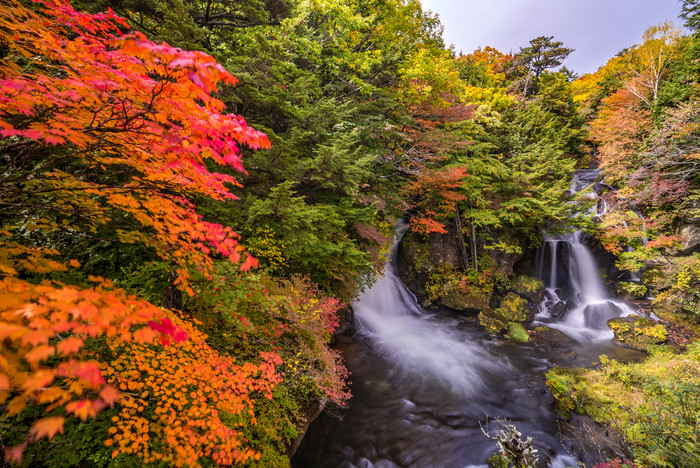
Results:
<point x="597" y="29"/>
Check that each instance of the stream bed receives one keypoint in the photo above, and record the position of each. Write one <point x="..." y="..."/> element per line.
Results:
<point x="425" y="383"/>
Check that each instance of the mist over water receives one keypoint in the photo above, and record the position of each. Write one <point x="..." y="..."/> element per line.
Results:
<point x="420" y="344"/>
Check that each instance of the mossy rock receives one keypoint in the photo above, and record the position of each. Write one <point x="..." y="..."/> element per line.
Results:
<point x="654" y="278"/>
<point x="633" y="290"/>
<point x="515" y="309"/>
<point x="666" y="306"/>
<point x="528" y="287"/>
<point x="475" y="299"/>
<point x="493" y="322"/>
<point x="637" y="332"/>
<point x="517" y="332"/>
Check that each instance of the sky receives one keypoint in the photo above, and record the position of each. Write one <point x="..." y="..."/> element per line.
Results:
<point x="596" y="29"/>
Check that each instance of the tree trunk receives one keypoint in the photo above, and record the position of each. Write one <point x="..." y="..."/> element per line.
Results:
<point x="172" y="296"/>
<point x="472" y="242"/>
<point x="460" y="236"/>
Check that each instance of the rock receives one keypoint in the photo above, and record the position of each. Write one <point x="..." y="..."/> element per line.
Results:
<point x="666" y="306"/>
<point x="505" y="261"/>
<point x="515" y="309"/>
<point x="654" y="278"/>
<point x="689" y="231"/>
<point x="558" y="310"/>
<point x="598" y="315"/>
<point x="552" y="337"/>
<point x="474" y="299"/>
<point x="528" y="287"/>
<point x="420" y="256"/>
<point x="637" y="332"/>
<point x="493" y="322"/>
<point x="632" y="290"/>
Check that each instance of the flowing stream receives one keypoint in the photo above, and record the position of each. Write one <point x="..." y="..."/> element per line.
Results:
<point x="425" y="383"/>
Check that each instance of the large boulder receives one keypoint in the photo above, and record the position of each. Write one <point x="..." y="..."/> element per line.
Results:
<point x="689" y="231"/>
<point x="503" y="260"/>
<point x="528" y="287"/>
<point x="493" y="322"/>
<point x="473" y="299"/>
<point x="420" y="256"/>
<point x="515" y="309"/>
<point x="637" y="332"/>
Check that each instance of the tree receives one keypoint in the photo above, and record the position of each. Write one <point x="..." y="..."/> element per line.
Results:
<point x="648" y="63"/>
<point x="103" y="134"/>
<point x="542" y="53"/>
<point x="690" y="12"/>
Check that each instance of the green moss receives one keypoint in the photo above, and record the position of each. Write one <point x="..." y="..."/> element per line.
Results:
<point x="634" y="290"/>
<point x="517" y="332"/>
<point x="638" y="332"/>
<point x="514" y="309"/>
<point x="528" y="287"/>
<point x="493" y="322"/>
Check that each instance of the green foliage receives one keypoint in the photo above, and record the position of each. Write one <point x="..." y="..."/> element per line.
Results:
<point x="684" y="285"/>
<point x="634" y="290"/>
<point x="253" y="313"/>
<point x="542" y="53"/>
<point x="654" y="404"/>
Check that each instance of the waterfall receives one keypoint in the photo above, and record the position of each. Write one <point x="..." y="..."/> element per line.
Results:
<point x="426" y="348"/>
<point x="576" y="299"/>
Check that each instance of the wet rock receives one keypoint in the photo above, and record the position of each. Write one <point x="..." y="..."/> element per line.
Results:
<point x="515" y="309"/>
<point x="637" y="332"/>
<point x="551" y="338"/>
<point x="493" y="322"/>
<point x="597" y="315"/>
<point x="474" y="299"/>
<point x="666" y="306"/>
<point x="529" y="288"/>
<point x="558" y="310"/>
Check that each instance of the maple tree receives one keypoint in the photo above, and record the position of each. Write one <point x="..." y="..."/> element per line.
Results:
<point x="103" y="132"/>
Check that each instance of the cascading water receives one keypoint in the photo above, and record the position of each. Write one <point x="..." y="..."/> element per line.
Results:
<point x="423" y="385"/>
<point x="418" y="343"/>
<point x="576" y="300"/>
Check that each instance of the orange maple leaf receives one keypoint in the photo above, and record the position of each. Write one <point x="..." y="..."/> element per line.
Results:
<point x="47" y="427"/>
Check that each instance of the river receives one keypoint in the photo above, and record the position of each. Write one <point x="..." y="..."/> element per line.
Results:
<point x="427" y="383"/>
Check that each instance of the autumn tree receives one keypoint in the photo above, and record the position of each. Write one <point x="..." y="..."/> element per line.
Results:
<point x="104" y="134"/>
<point x="648" y="63"/>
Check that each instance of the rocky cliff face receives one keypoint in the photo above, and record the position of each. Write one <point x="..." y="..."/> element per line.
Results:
<point x="431" y="266"/>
